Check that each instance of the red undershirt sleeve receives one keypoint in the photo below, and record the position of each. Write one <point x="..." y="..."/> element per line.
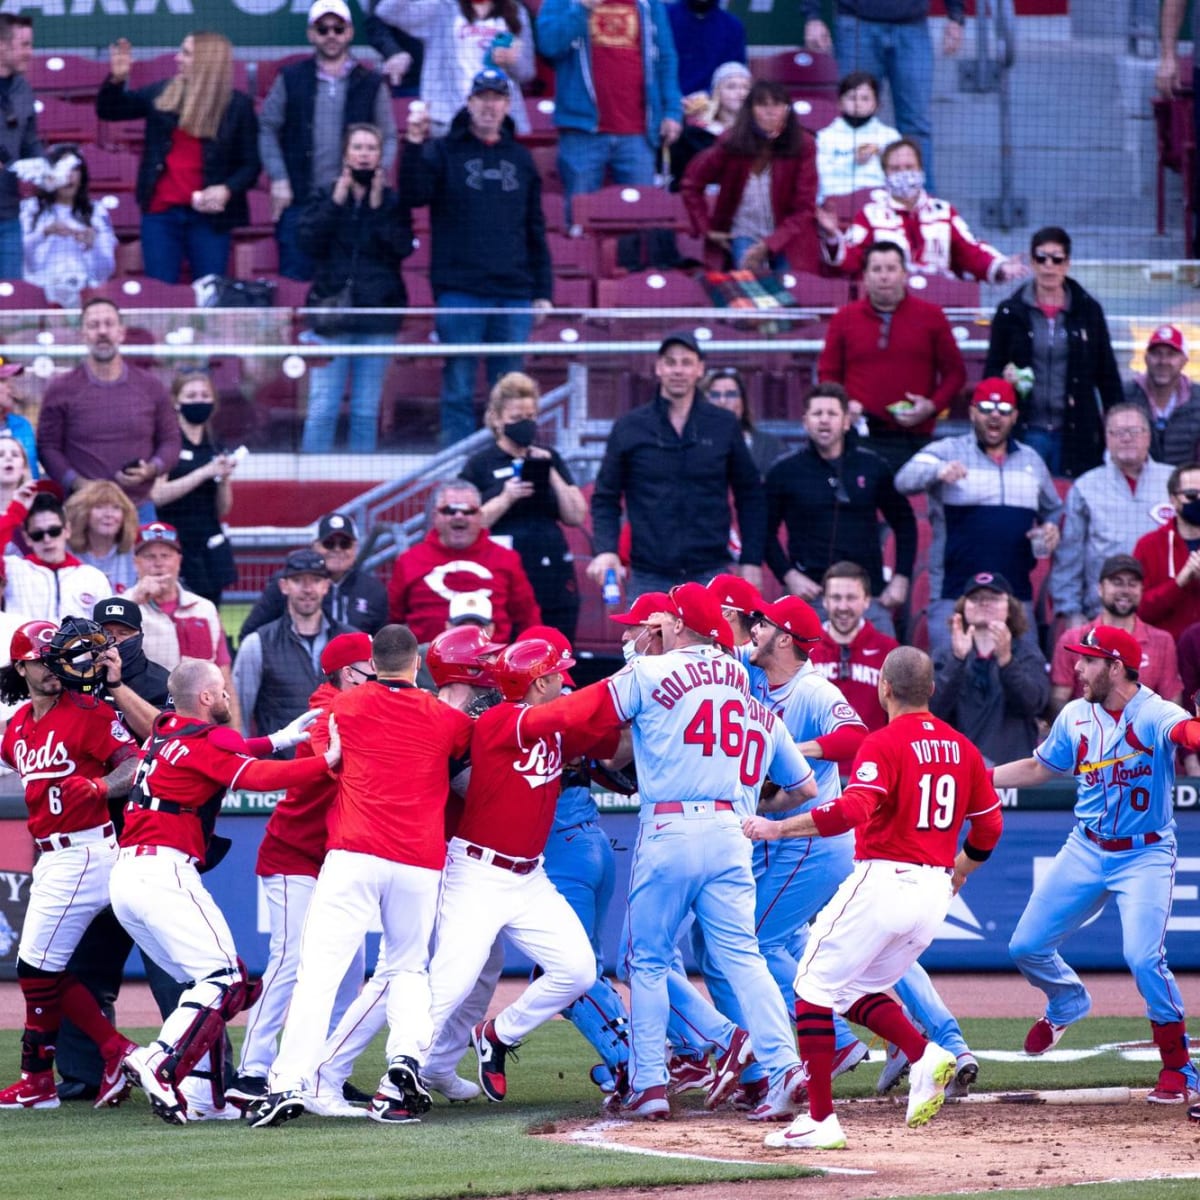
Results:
<point x="842" y="744"/>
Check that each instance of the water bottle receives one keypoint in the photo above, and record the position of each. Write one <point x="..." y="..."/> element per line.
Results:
<point x="612" y="590"/>
<point x="517" y="466"/>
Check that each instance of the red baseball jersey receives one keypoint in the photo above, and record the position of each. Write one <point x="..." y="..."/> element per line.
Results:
<point x="517" y="755"/>
<point x="854" y="669"/>
<point x="194" y="762"/>
<point x="912" y="786"/>
<point x="80" y="735"/>
<point x="397" y="743"/>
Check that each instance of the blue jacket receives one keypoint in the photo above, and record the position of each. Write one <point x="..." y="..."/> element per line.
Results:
<point x="562" y="36"/>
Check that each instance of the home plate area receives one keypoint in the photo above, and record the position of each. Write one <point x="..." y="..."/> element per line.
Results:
<point x="968" y="1147"/>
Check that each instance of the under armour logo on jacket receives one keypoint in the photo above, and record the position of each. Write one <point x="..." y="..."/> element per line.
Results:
<point x="505" y="172"/>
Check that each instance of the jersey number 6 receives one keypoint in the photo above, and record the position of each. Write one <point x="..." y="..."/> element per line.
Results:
<point x="729" y="734"/>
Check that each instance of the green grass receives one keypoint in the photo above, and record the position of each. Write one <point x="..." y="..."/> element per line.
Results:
<point x="232" y="616"/>
<point x="466" y="1150"/>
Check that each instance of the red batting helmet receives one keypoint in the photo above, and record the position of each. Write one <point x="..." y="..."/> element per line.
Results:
<point x="529" y="659"/>
<point x="31" y="641"/>
<point x="458" y="655"/>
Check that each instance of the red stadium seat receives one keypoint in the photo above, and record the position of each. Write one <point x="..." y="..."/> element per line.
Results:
<point x="129" y="259"/>
<point x="60" y="121"/>
<point x="16" y="293"/>
<point x="255" y="257"/>
<point x="815" y="112"/>
<point x="541" y="121"/>
<point x="623" y="208"/>
<point x="850" y="205"/>
<point x="573" y="292"/>
<point x="572" y="256"/>
<point x="798" y="70"/>
<point x="111" y="170"/>
<point x="945" y="291"/>
<point x="66" y="76"/>
<point x="146" y="71"/>
<point x="143" y="293"/>
<point x="123" y="212"/>
<point x="260" y="223"/>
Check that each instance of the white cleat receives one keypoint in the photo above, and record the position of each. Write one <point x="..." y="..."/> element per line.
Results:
<point x="927" y="1084"/>
<point x="165" y="1100"/>
<point x="331" y="1106"/>
<point x="806" y="1134"/>
<point x="453" y="1087"/>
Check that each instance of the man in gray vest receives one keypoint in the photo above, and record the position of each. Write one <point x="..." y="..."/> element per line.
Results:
<point x="304" y="116"/>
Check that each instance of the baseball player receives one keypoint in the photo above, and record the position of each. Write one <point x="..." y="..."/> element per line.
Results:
<point x="189" y="761"/>
<point x="384" y="857"/>
<point x="72" y="753"/>
<point x="1119" y="742"/>
<point x="289" y="860"/>
<point x="912" y="786"/>
<point x="495" y="881"/>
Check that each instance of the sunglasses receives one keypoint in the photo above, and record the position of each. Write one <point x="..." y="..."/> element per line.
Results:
<point x="1042" y="259"/>
<point x="458" y="510"/>
<point x="724" y="394"/>
<point x="987" y="407"/>
<point x="40" y="535"/>
<point x="325" y="29"/>
<point x="337" y="543"/>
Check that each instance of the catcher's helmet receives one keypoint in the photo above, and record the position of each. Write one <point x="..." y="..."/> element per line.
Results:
<point x="73" y="652"/>
<point x="31" y="641"/>
<point x="461" y="655"/>
<point x="524" y="661"/>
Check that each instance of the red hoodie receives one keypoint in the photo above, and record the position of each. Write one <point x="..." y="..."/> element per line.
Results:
<point x="428" y="574"/>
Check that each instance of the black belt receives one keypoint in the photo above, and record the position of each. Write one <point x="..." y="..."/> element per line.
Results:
<point x="154" y="804"/>
<point x="1125" y="843"/>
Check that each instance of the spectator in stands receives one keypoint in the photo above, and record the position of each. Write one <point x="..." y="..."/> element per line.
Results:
<point x="303" y="123"/>
<point x="108" y="419"/>
<point x="1170" y="558"/>
<point x="528" y="492"/>
<point x="990" y="682"/>
<point x="355" y="598"/>
<point x="705" y="36"/>
<point x="890" y="38"/>
<point x="197" y="494"/>
<point x="1120" y="590"/>
<point x="201" y="155"/>
<point x="1188" y="655"/>
<point x="990" y="497"/>
<point x="709" y="115"/>
<point x="278" y="666"/>
<point x="831" y="497"/>
<point x="104" y="526"/>
<point x="357" y="235"/>
<point x="1055" y="329"/>
<point x="489" y="238"/>
<point x="895" y="355"/>
<point x="14" y="475"/>
<point x="617" y="98"/>
<point x="935" y="239"/>
<point x="849" y="147"/>
<point x="1170" y="398"/>
<point x="1108" y="509"/>
<point x="458" y="555"/>
<point x="402" y="54"/>
<point x="13" y="425"/>
<point x="18" y="132"/>
<point x="765" y="169"/>
<point x="724" y="387"/>
<point x="462" y="38"/>
<point x="69" y="240"/>
<point x="673" y="464"/>
<point x="852" y="650"/>
<point x="1170" y="82"/>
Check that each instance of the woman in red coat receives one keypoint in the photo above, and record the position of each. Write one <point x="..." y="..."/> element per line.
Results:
<point x="765" y="169"/>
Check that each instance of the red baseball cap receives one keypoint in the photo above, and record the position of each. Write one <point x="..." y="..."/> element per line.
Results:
<point x="735" y="592"/>
<point x="700" y="612"/>
<point x="345" y="649"/>
<point x="995" y="389"/>
<point x="794" y="616"/>
<point x="651" y="602"/>
<point x="160" y="531"/>
<point x="1168" y="335"/>
<point x="557" y="639"/>
<point x="1104" y="641"/>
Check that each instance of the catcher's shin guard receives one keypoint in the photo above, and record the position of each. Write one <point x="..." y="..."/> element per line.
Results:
<point x="599" y="1014"/>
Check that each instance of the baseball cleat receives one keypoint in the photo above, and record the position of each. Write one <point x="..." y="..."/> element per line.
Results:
<point x="35" y="1089"/>
<point x="491" y="1052"/>
<point x="114" y="1086"/>
<point x="965" y="1074"/>
<point x="453" y="1087"/>
<point x="1176" y="1087"/>
<point x="1043" y="1036"/>
<point x="405" y="1077"/>
<point x="389" y="1111"/>
<point x="895" y="1068"/>
<point x="164" y="1098"/>
<point x="355" y="1095"/>
<point x="749" y="1096"/>
<point x="274" y="1109"/>
<point x="806" y="1134"/>
<point x="207" y="1112"/>
<point x="927" y="1084"/>
<point x="738" y="1054"/>
<point x="688" y="1075"/>
<point x="783" y="1098"/>
<point x="331" y="1106"/>
<point x="849" y="1057"/>
<point x="248" y="1088"/>
<point x="650" y="1105"/>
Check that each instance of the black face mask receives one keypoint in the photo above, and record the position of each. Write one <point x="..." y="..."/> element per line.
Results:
<point x="133" y="658"/>
<point x="363" y="176"/>
<point x="702" y="6"/>
<point x="521" y="433"/>
<point x="856" y="122"/>
<point x="195" y="414"/>
<point x="1190" y="512"/>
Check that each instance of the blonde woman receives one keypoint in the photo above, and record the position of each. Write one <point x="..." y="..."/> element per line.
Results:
<point x="201" y="154"/>
<point x="104" y="525"/>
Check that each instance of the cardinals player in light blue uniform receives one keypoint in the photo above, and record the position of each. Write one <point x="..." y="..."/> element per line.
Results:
<point x="1119" y="742"/>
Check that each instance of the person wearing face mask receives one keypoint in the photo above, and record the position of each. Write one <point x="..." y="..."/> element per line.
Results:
<point x="934" y="238"/>
<point x="848" y="147"/>
<point x="528" y="493"/>
<point x="1170" y="558"/>
<point x="198" y="492"/>
<point x="705" y="36"/>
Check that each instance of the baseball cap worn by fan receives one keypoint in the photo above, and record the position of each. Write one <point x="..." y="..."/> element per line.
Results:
<point x="1164" y="335"/>
<point x="1115" y="564"/>
<point x="1105" y="641"/>
<point x="345" y="649"/>
<point x="732" y="591"/>
<point x="157" y="531"/>
<point x="991" y="581"/>
<point x="116" y="610"/>
<point x="304" y="562"/>
<point x="680" y="337"/>
<point x="699" y="610"/>
<point x="329" y="8"/>
<point x="644" y="606"/>
<point x="470" y="608"/>
<point x="489" y="80"/>
<point x="337" y="522"/>
<point x="996" y="390"/>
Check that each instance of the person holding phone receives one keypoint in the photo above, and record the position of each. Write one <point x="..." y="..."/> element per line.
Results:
<point x="528" y="494"/>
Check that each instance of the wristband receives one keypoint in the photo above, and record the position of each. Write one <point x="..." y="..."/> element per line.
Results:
<point x="974" y="853"/>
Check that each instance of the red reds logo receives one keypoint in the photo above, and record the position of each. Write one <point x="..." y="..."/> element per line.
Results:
<point x="51" y="761"/>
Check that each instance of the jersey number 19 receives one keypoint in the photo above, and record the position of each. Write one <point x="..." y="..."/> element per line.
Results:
<point x="937" y="801"/>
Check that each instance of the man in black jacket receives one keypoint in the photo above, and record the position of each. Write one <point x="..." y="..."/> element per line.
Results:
<point x="18" y="132"/>
<point x="829" y="497"/>
<point x="674" y="462"/>
<point x="489" y="237"/>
